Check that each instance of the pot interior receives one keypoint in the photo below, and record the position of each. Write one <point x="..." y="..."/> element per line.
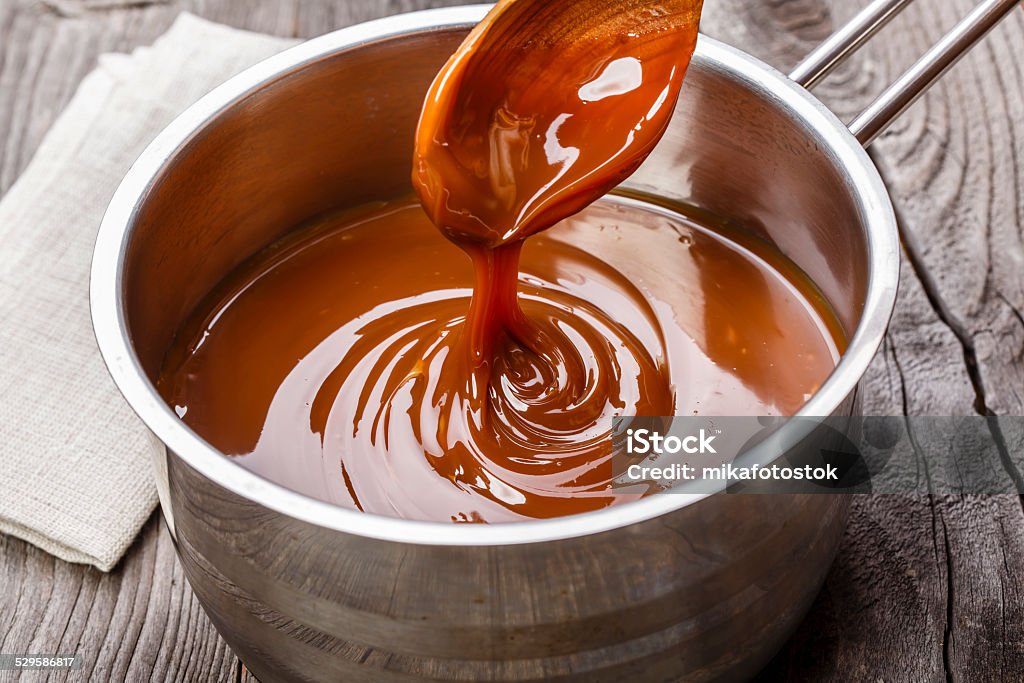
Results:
<point x="338" y="131"/>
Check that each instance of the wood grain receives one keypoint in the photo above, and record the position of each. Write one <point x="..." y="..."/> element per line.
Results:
<point x="930" y="588"/>
<point x="923" y="588"/>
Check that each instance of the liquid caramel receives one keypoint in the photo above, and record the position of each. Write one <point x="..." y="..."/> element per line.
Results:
<point x="334" y="363"/>
<point x="368" y="362"/>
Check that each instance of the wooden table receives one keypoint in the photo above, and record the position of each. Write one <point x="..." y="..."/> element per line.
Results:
<point x="924" y="589"/>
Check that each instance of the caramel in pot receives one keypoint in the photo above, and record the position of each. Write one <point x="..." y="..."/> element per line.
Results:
<point x="335" y="362"/>
<point x="368" y="362"/>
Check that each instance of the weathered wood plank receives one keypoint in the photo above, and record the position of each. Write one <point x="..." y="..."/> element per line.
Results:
<point x="138" y="619"/>
<point x="923" y="589"/>
<point x="926" y="589"/>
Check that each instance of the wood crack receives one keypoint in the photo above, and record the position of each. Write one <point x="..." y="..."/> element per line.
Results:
<point x="946" y="560"/>
<point x="1013" y="309"/>
<point x="919" y="460"/>
<point x="1002" y="602"/>
<point x="947" y="636"/>
<point x="931" y="290"/>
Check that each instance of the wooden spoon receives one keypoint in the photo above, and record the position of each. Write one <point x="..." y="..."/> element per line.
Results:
<point x="545" y="107"/>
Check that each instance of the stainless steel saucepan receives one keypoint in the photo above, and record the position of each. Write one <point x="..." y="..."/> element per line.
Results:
<point x="695" y="587"/>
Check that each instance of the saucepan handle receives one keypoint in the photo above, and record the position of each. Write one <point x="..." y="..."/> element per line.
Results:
<point x="917" y="79"/>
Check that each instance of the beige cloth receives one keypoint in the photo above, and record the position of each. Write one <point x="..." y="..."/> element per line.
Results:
<point x="75" y="462"/>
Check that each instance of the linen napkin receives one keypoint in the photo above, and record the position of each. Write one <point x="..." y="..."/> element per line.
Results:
<point x="75" y="461"/>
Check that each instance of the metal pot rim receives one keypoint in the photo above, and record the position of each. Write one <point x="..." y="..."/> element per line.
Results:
<point x="107" y="302"/>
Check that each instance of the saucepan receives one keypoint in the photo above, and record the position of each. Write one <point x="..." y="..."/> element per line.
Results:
<point x="683" y="586"/>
